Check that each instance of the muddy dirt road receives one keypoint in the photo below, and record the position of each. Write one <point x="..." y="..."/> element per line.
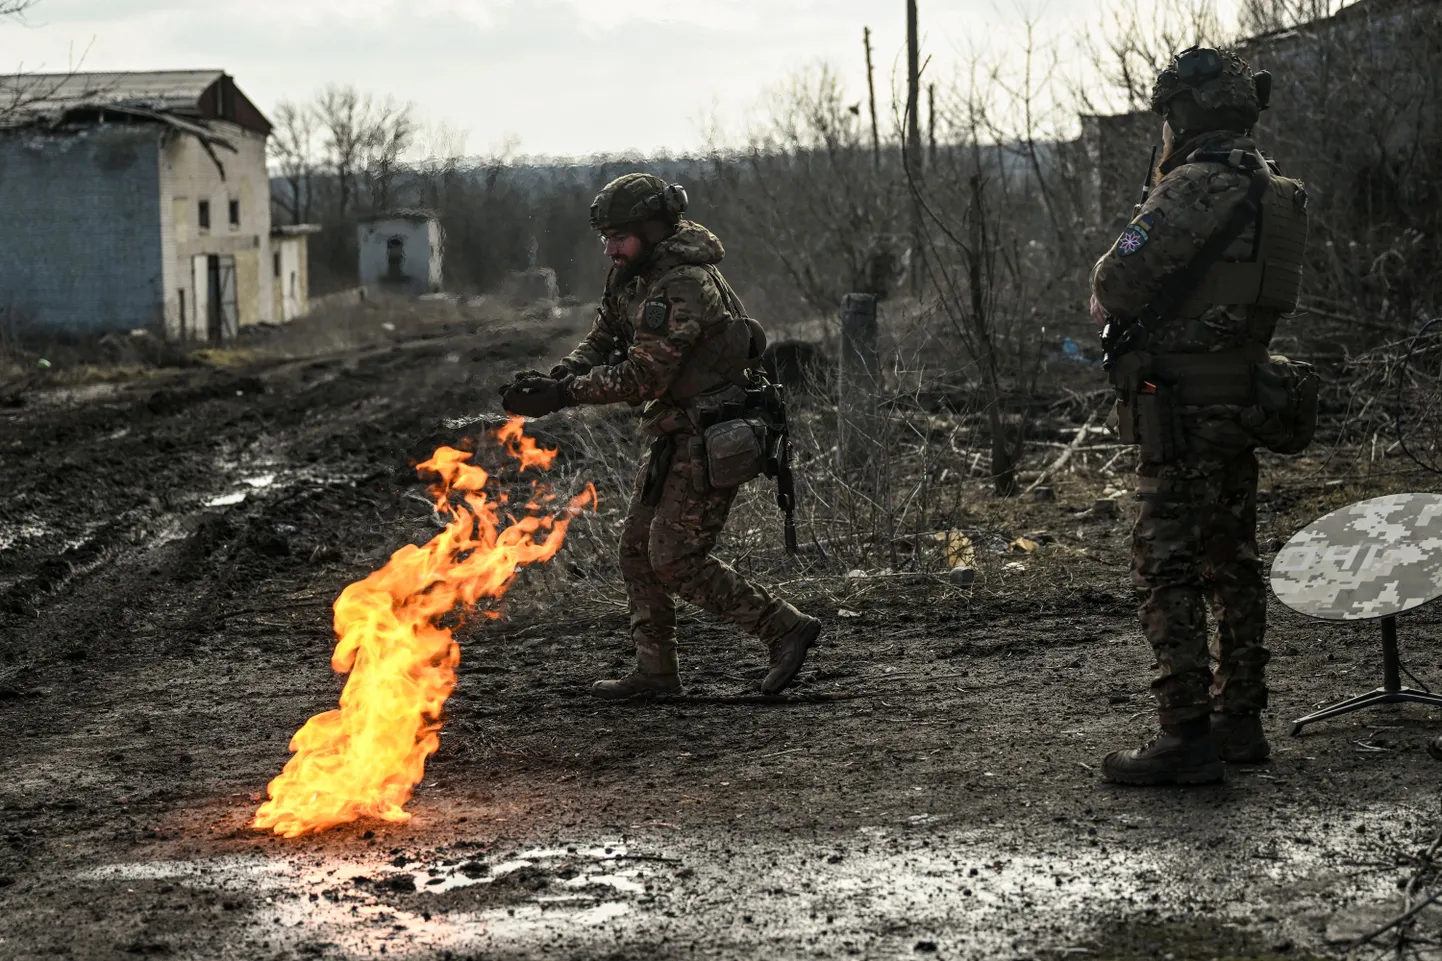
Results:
<point x="168" y="553"/>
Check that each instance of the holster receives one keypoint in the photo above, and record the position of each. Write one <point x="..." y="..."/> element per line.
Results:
<point x="1149" y="408"/>
<point x="658" y="466"/>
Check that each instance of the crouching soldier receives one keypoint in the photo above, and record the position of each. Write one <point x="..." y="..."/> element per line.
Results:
<point x="671" y="334"/>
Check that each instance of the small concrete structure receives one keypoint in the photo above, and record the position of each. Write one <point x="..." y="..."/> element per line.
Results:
<point x="290" y="270"/>
<point x="400" y="252"/>
<point x="135" y="200"/>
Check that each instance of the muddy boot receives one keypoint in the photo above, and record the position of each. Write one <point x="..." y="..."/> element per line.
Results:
<point x="1434" y="748"/>
<point x="1180" y="754"/>
<point x="795" y="633"/>
<point x="656" y="673"/>
<point x="1238" y="738"/>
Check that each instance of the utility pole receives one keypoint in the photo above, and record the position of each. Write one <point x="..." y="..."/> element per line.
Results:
<point x="871" y="92"/>
<point x="931" y="125"/>
<point x="913" y="139"/>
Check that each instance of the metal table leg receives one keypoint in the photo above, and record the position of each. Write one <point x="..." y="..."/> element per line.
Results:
<point x="1391" y="691"/>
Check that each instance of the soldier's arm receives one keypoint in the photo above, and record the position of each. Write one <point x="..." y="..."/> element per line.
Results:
<point x="1185" y="208"/>
<point x="593" y="349"/>
<point x="691" y="302"/>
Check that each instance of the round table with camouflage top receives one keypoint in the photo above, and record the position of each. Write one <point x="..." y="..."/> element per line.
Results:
<point x="1371" y="560"/>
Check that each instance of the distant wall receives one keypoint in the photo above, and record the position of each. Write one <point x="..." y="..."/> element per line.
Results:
<point x="81" y="218"/>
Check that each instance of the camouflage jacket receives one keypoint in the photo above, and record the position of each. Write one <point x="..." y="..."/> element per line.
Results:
<point x="1190" y="202"/>
<point x="679" y="338"/>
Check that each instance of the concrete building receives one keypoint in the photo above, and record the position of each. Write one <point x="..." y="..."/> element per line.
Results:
<point x="140" y="200"/>
<point x="290" y="270"/>
<point x="401" y="252"/>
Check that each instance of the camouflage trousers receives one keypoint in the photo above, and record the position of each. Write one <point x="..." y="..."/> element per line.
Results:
<point x="666" y="553"/>
<point x="1194" y="543"/>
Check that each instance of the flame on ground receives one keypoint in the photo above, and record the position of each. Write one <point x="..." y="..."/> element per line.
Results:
<point x="364" y="759"/>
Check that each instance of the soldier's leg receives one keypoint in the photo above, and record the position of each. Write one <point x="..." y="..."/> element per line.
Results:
<point x="683" y="533"/>
<point x="1238" y="591"/>
<point x="1167" y="566"/>
<point x="1167" y="546"/>
<point x="1239" y="605"/>
<point x="653" y="611"/>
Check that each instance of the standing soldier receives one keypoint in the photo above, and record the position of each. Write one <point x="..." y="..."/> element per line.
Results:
<point x="1190" y="295"/>
<point x="671" y="334"/>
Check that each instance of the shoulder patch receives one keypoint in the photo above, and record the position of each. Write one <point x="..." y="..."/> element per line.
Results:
<point x="1135" y="236"/>
<point x="653" y="314"/>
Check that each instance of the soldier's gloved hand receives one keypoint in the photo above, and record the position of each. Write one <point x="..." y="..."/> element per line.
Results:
<point x="560" y="372"/>
<point x="537" y="397"/>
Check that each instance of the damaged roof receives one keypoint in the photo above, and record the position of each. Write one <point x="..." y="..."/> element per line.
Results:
<point x="193" y="95"/>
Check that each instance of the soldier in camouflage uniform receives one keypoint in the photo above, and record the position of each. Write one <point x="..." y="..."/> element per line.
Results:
<point x="672" y="335"/>
<point x="1194" y="540"/>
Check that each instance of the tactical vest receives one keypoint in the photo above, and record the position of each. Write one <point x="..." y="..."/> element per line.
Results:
<point x="729" y="347"/>
<point x="1269" y="274"/>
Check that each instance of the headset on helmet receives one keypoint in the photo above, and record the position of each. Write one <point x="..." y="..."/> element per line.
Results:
<point x="1220" y="84"/>
<point x="635" y="198"/>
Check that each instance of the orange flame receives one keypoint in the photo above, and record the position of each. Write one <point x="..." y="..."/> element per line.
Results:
<point x="364" y="759"/>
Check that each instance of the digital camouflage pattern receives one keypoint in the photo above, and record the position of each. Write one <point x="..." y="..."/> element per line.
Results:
<point x="683" y="342"/>
<point x="1194" y="541"/>
<point x="1372" y="559"/>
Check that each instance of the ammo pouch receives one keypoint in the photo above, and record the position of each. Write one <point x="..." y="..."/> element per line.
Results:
<point x="735" y="452"/>
<point x="1149" y="408"/>
<point x="1283" y="416"/>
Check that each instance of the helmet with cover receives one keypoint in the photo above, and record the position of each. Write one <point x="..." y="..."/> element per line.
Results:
<point x="636" y="198"/>
<point x="1208" y="89"/>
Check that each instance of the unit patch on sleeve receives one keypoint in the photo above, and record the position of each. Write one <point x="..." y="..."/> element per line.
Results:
<point x="653" y="314"/>
<point x="1135" y="236"/>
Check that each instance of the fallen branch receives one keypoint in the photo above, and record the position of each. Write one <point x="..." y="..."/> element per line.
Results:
<point x="1060" y="462"/>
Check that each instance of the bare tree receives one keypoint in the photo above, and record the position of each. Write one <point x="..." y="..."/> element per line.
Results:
<point x="389" y="133"/>
<point x="1267" y="16"/>
<point x="294" y="149"/>
<point x="344" y="115"/>
<point x="15" y="9"/>
<point x="812" y="197"/>
<point x="1135" y="42"/>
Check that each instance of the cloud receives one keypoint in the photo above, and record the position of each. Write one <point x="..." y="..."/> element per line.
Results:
<point x="561" y="76"/>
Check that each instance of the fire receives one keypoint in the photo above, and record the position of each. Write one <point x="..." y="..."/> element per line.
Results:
<point x="364" y="759"/>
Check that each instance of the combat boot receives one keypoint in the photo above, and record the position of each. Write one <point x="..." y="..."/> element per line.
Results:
<point x="1180" y="754"/>
<point x="1239" y="739"/>
<point x="657" y="672"/>
<point x="788" y="650"/>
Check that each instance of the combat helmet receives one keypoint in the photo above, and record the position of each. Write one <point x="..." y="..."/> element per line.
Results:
<point x="1208" y="89"/>
<point x="636" y="198"/>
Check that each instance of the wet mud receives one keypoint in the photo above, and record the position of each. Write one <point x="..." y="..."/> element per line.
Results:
<point x="168" y="554"/>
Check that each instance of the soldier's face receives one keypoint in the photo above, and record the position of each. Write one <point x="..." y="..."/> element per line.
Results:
<point x="623" y="247"/>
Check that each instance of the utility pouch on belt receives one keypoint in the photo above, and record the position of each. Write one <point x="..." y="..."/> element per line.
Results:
<point x="696" y="454"/>
<point x="1157" y="423"/>
<point x="658" y="465"/>
<point x="1283" y="417"/>
<point x="734" y="452"/>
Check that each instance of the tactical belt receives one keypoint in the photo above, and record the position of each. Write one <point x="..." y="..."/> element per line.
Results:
<point x="1219" y="377"/>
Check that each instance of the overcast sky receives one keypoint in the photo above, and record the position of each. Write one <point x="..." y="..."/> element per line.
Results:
<point x="556" y="77"/>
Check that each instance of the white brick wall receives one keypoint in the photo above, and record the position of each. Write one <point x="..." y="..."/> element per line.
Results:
<point x="80" y="218"/>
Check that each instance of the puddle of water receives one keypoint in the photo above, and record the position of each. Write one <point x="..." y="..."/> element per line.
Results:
<point x="260" y="480"/>
<point x="226" y="500"/>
